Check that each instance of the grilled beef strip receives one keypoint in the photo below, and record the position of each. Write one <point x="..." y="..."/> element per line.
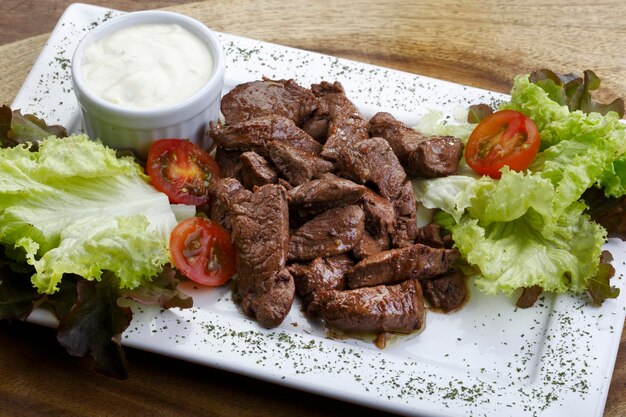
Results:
<point x="372" y="162"/>
<point x="256" y="171"/>
<point x="397" y="265"/>
<point x="421" y="156"/>
<point x="268" y="97"/>
<point x="333" y="232"/>
<point x="433" y="235"/>
<point x="446" y="292"/>
<point x="296" y="165"/>
<point x="370" y="245"/>
<point x="260" y="232"/>
<point x="256" y="134"/>
<point x="327" y="192"/>
<point x="346" y="125"/>
<point x="225" y="192"/>
<point x="380" y="215"/>
<point x="404" y="229"/>
<point x="395" y="308"/>
<point x="321" y="274"/>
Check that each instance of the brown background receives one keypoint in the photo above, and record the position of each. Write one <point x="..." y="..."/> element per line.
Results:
<point x="479" y="43"/>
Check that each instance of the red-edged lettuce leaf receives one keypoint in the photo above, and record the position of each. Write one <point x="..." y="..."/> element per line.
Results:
<point x="17" y="295"/>
<point x="162" y="291"/>
<point x="16" y="128"/>
<point x="94" y="325"/>
<point x="609" y="212"/>
<point x="599" y="286"/>
<point x="529" y="296"/>
<point x="574" y="91"/>
<point x="92" y="320"/>
<point x="66" y="297"/>
<point x="477" y="112"/>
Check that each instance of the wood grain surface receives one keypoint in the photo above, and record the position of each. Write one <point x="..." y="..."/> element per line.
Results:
<point x="479" y="43"/>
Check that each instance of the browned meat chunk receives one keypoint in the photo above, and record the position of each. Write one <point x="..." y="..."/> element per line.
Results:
<point x="372" y="162"/>
<point x="329" y="191"/>
<point x="268" y="97"/>
<point x="446" y="292"/>
<point x="396" y="308"/>
<point x="432" y="235"/>
<point x="317" y="127"/>
<point x="380" y="215"/>
<point x="405" y="225"/>
<point x="224" y="193"/>
<point x="256" y="134"/>
<point x="333" y="232"/>
<point x="436" y="156"/>
<point x="230" y="163"/>
<point x="255" y="170"/>
<point x="261" y="235"/>
<point x="397" y="265"/>
<point x="421" y="156"/>
<point x="296" y="165"/>
<point x="370" y="245"/>
<point x="345" y="123"/>
<point x="321" y="274"/>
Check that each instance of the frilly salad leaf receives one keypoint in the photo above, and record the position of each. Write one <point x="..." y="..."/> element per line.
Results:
<point x="93" y="326"/>
<point x="599" y="287"/>
<point x="83" y="224"/>
<point x="574" y="91"/>
<point x="73" y="207"/>
<point x="162" y="290"/>
<point x="16" y="129"/>
<point x="508" y="229"/>
<point x="478" y="112"/>
<point x="531" y="229"/>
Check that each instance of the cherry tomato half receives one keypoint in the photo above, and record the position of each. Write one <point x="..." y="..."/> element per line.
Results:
<point x="182" y="170"/>
<point x="201" y="249"/>
<point x="504" y="138"/>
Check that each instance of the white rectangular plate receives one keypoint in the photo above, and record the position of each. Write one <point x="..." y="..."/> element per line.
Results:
<point x="489" y="359"/>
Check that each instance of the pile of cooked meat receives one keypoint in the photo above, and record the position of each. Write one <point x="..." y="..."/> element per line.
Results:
<point x="319" y="203"/>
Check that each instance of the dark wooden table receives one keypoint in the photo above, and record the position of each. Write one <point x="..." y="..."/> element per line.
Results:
<point x="480" y="43"/>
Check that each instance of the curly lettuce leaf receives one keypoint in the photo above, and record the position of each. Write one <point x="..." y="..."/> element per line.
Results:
<point x="16" y="129"/>
<point x="530" y="229"/>
<point x="93" y="326"/>
<point x="162" y="290"/>
<point x="535" y="102"/>
<point x="575" y="144"/>
<point x="575" y="92"/>
<point x="516" y="254"/>
<point x="73" y="207"/>
<point x="511" y="231"/>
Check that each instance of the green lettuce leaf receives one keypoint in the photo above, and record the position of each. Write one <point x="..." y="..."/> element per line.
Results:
<point x="535" y="102"/>
<point x="73" y="207"/>
<point x="531" y="229"/>
<point x="509" y="229"/>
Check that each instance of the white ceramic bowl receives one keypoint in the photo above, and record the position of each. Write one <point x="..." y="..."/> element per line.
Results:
<point x="123" y="128"/>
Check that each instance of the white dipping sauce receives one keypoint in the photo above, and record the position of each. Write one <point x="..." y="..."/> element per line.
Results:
<point x="147" y="66"/>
